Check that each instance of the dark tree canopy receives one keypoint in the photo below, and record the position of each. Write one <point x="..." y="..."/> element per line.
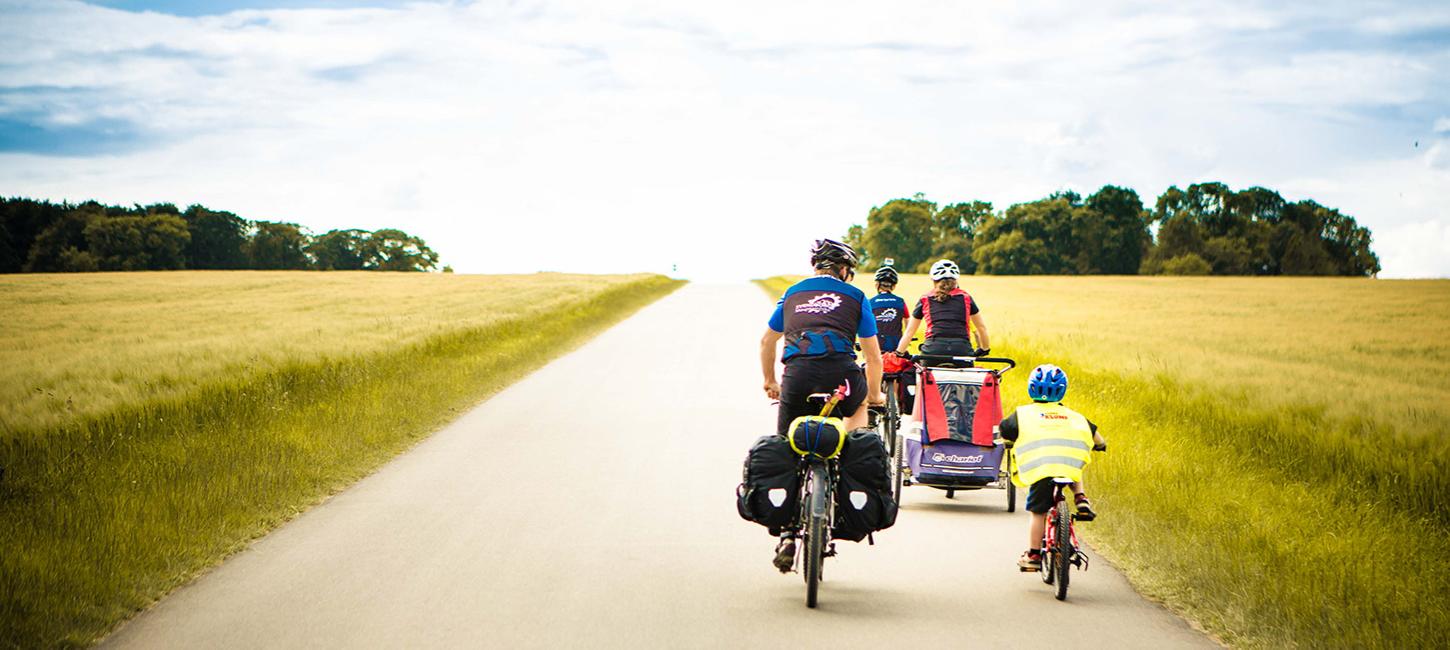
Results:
<point x="1207" y="228"/>
<point x="40" y="236"/>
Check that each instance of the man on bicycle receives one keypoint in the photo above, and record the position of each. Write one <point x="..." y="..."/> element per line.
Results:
<point x="821" y="318"/>
<point x="1048" y="440"/>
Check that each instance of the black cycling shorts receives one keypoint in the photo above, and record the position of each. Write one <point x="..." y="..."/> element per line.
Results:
<point x="819" y="374"/>
<point x="947" y="347"/>
<point x="1039" y="496"/>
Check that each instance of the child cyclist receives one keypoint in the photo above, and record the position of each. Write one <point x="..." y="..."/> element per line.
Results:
<point x="1048" y="440"/>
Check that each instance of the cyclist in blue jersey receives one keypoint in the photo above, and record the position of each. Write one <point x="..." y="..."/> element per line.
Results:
<point x="821" y="318"/>
<point x="888" y="308"/>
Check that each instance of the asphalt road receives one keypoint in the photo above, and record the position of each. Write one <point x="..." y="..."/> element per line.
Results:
<point x="591" y="505"/>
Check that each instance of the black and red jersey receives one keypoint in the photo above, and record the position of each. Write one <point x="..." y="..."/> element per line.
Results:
<point x="946" y="319"/>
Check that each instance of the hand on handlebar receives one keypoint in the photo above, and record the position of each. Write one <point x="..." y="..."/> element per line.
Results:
<point x="875" y="398"/>
<point x="1099" y="443"/>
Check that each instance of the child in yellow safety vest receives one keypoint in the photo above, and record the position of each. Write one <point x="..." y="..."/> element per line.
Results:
<point x="1048" y="441"/>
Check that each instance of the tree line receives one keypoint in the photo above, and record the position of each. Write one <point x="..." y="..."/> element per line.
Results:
<point x="1206" y="229"/>
<point x="44" y="237"/>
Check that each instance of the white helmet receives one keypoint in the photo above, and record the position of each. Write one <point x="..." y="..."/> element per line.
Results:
<point x="945" y="269"/>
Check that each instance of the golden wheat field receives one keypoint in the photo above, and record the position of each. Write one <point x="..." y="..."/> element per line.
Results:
<point x="73" y="345"/>
<point x="1354" y="346"/>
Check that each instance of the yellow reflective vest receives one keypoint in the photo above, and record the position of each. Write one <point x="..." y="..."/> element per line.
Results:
<point x="1053" y="441"/>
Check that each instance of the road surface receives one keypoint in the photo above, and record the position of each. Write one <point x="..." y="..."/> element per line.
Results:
<point x="591" y="505"/>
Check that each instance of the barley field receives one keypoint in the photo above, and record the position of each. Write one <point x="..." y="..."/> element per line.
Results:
<point x="1279" y="466"/>
<point x="156" y="422"/>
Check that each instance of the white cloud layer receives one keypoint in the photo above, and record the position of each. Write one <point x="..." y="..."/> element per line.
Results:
<point x="520" y="136"/>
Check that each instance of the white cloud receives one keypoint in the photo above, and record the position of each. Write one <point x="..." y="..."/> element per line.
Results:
<point x="542" y="135"/>
<point x="1419" y="250"/>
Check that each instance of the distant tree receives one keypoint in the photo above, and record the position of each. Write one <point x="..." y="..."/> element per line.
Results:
<point x="155" y="240"/>
<point x="396" y="250"/>
<point x="900" y="229"/>
<point x="1013" y="253"/>
<point x="57" y="246"/>
<point x="344" y="250"/>
<point x="1124" y="235"/>
<point x="954" y="229"/>
<point x="21" y="222"/>
<point x="1029" y="238"/>
<point x="277" y="245"/>
<point x="856" y="239"/>
<point x="1186" y="264"/>
<point x="217" y="239"/>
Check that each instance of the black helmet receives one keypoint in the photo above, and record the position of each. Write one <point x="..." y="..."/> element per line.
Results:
<point x="887" y="275"/>
<point x="829" y="252"/>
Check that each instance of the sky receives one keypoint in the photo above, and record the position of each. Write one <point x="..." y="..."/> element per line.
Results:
<point x="717" y="140"/>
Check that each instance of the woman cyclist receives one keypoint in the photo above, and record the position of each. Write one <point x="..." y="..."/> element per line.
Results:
<point x="950" y="315"/>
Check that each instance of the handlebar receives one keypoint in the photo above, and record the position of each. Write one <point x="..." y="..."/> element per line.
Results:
<point x="929" y="358"/>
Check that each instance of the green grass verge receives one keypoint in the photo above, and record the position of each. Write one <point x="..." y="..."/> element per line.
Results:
<point x="105" y="515"/>
<point x="1269" y="527"/>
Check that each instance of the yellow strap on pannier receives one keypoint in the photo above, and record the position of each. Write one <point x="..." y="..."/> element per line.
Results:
<point x="809" y="433"/>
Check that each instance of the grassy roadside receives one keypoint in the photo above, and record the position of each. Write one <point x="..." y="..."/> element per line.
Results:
<point x="1271" y="522"/>
<point x="107" y="512"/>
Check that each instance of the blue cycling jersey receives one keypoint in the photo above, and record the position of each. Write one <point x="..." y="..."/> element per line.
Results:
<point x="822" y="315"/>
<point x="890" y="311"/>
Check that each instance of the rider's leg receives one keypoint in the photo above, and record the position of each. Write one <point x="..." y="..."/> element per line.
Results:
<point x="858" y="420"/>
<point x="1036" y="531"/>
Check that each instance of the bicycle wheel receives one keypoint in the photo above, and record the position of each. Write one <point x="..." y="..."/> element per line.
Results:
<point x="815" y="533"/>
<point x="896" y="468"/>
<point x="1063" y="551"/>
<point x="893" y="418"/>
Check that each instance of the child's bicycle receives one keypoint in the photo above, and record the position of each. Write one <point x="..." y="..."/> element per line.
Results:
<point x="818" y="467"/>
<point x="1060" y="548"/>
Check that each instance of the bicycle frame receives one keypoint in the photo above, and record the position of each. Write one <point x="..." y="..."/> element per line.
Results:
<point x="1059" y="501"/>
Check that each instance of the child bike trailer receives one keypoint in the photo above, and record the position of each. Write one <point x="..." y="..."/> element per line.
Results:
<point x="949" y="440"/>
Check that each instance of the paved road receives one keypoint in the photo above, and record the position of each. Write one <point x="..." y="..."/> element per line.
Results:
<point x="591" y="505"/>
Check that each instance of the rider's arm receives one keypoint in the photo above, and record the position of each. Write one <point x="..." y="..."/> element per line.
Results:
<point x="1008" y="428"/>
<point x="908" y="334"/>
<point x="767" y="362"/>
<point x="981" y="327"/>
<point x="871" y="348"/>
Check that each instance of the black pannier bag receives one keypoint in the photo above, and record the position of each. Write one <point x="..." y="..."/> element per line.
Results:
<point x="863" y="496"/>
<point x="771" y="488"/>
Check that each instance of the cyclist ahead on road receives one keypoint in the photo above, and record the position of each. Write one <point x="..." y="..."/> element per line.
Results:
<point x="1048" y="440"/>
<point x="950" y="315"/>
<point x="888" y="308"/>
<point x="820" y="319"/>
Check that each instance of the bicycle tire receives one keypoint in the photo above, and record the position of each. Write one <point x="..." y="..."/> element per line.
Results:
<point x="897" y="470"/>
<point x="1064" y="552"/>
<point x="815" y="533"/>
<point x="893" y="418"/>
